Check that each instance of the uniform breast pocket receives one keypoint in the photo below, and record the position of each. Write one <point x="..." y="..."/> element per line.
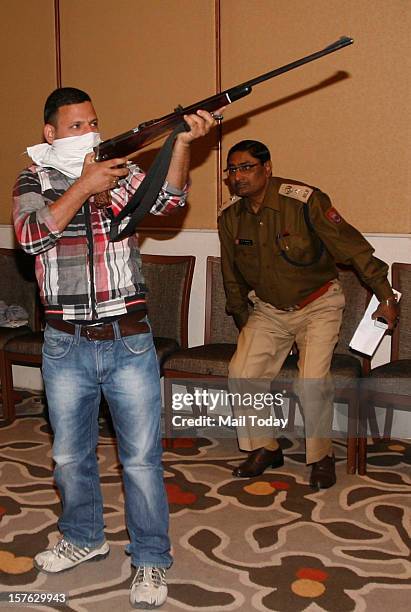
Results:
<point x="298" y="248"/>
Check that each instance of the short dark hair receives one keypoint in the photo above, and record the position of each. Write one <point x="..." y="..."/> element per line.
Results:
<point x="61" y="97"/>
<point x="256" y="149"/>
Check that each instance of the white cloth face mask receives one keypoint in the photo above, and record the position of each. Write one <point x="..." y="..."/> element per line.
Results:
<point x="65" y="154"/>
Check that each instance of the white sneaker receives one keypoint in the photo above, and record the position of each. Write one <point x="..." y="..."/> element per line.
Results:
<point x="66" y="555"/>
<point x="149" y="588"/>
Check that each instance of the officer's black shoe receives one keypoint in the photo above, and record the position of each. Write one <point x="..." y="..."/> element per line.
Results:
<point x="258" y="460"/>
<point x="323" y="473"/>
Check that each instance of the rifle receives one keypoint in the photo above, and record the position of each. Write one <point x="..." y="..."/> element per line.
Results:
<point x="129" y="142"/>
<point x="140" y="136"/>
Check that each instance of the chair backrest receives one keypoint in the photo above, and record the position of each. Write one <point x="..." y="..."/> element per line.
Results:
<point x="357" y="296"/>
<point x="219" y="326"/>
<point x="401" y="338"/>
<point x="169" y="278"/>
<point x="18" y="283"/>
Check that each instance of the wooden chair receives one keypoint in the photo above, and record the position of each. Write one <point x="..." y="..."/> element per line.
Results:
<point x="169" y="282"/>
<point x="348" y="367"/>
<point x="389" y="386"/>
<point x="208" y="364"/>
<point x="18" y="286"/>
<point x="169" y="279"/>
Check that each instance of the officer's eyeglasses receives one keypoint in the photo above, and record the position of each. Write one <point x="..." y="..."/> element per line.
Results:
<point x="245" y="168"/>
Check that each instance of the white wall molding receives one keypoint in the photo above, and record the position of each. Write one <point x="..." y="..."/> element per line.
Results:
<point x="204" y="242"/>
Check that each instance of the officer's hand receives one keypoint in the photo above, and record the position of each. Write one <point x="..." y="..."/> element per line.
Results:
<point x="240" y="319"/>
<point x="101" y="176"/>
<point x="389" y="311"/>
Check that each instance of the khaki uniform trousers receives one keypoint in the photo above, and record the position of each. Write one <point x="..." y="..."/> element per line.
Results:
<point x="263" y="345"/>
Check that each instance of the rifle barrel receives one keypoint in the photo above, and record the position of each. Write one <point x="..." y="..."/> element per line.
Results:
<point x="344" y="41"/>
<point x="129" y="142"/>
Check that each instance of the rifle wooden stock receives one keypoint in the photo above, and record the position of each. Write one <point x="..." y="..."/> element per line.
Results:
<point x="137" y="138"/>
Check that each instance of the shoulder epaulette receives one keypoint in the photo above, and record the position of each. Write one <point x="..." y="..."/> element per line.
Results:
<point x="228" y="203"/>
<point x="298" y="192"/>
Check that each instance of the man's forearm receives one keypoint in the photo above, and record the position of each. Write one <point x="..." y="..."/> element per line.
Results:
<point x="180" y="165"/>
<point x="66" y="207"/>
<point x="199" y="124"/>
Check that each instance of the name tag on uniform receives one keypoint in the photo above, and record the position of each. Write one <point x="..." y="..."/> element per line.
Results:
<point x="244" y="242"/>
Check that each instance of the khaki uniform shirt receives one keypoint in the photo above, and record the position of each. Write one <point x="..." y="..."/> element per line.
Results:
<point x="275" y="253"/>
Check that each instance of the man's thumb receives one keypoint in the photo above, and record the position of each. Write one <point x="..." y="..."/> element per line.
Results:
<point x="90" y="158"/>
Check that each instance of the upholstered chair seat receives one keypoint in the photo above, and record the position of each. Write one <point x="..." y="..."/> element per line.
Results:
<point x="164" y="348"/>
<point x="206" y="360"/>
<point x="391" y="378"/>
<point x="345" y="368"/>
<point x="26" y="344"/>
<point x="7" y="333"/>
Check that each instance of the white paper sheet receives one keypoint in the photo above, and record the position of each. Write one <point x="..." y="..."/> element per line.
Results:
<point x="369" y="333"/>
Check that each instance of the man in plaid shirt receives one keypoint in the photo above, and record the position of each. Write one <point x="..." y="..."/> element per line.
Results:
<point x="97" y="336"/>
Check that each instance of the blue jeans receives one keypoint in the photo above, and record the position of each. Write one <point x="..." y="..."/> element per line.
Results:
<point x="75" y="372"/>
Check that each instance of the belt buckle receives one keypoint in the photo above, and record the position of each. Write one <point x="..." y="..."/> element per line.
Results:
<point x="88" y="336"/>
<point x="91" y="331"/>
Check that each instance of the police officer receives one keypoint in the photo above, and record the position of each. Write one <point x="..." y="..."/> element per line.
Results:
<point x="280" y="241"/>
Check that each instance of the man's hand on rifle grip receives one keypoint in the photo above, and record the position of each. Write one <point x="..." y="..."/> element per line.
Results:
<point x="96" y="178"/>
<point x="200" y="124"/>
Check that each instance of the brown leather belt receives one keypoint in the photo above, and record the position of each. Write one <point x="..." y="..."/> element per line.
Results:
<point x="310" y="298"/>
<point x="129" y="325"/>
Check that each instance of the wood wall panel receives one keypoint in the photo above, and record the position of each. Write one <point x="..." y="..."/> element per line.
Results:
<point x="139" y="60"/>
<point x="351" y="137"/>
<point x="27" y="76"/>
<point x="340" y="123"/>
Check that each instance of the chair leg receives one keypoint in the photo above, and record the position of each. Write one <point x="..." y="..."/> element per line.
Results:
<point x="351" y="455"/>
<point x="362" y="433"/>
<point x="292" y="406"/>
<point x="2" y="383"/>
<point x="352" y="433"/>
<point x="9" y="408"/>
<point x="389" y="418"/>
<point x="371" y="418"/>
<point x="197" y="409"/>
<point x="362" y="456"/>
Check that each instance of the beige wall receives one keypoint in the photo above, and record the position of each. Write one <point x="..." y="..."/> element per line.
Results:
<point x="143" y="60"/>
<point x="340" y="123"/>
<point x="27" y="76"/>
<point x="351" y="138"/>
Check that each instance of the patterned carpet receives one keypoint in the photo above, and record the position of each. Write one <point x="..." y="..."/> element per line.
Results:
<point x="265" y="544"/>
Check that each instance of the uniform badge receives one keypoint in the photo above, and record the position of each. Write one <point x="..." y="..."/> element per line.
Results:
<point x="299" y="192"/>
<point x="333" y="215"/>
